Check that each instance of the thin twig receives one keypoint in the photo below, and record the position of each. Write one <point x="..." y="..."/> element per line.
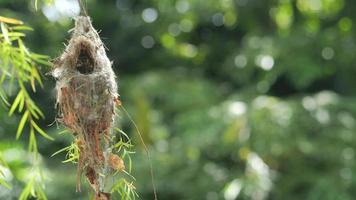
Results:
<point x="146" y="150"/>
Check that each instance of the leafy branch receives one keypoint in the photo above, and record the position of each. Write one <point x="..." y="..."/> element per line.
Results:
<point x="19" y="65"/>
<point x="19" y="68"/>
<point x="124" y="185"/>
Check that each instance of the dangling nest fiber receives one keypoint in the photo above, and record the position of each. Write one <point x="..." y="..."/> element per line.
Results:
<point x="86" y="96"/>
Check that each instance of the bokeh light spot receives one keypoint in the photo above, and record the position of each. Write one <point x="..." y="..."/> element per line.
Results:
<point x="147" y="42"/>
<point x="266" y="62"/>
<point x="188" y="50"/>
<point x="237" y="108"/>
<point x="182" y="6"/>
<point x="240" y="61"/>
<point x="345" y="24"/>
<point x="230" y="18"/>
<point x="327" y="53"/>
<point x="149" y="15"/>
<point x="174" y="29"/>
<point x="218" y="19"/>
<point x="186" y="25"/>
<point x="233" y="190"/>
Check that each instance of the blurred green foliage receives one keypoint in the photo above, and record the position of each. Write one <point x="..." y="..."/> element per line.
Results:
<point x="237" y="99"/>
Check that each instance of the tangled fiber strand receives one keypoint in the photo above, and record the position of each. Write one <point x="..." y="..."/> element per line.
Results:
<point x="86" y="96"/>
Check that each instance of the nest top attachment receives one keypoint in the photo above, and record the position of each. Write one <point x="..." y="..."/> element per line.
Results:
<point x="84" y="55"/>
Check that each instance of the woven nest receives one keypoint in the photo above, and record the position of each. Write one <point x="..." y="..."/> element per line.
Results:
<point x="86" y="96"/>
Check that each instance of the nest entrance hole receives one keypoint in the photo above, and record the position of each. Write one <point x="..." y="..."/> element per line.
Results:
<point x="85" y="62"/>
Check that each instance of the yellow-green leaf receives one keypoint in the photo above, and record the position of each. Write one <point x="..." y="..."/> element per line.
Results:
<point x="37" y="110"/>
<point x="33" y="85"/>
<point x="32" y="145"/>
<point x="36" y="75"/>
<point x="40" y="131"/>
<point x="2" y="182"/>
<point x="4" y="98"/>
<point x="19" y="97"/>
<point x="22" y="124"/>
<point x="5" y="32"/>
<point x="10" y="20"/>
<point x="21" y="28"/>
<point x="61" y="150"/>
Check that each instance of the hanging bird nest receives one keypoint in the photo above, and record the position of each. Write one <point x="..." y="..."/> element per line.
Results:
<point x="86" y="97"/>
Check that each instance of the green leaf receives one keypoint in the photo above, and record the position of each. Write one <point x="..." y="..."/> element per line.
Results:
<point x="2" y="161"/>
<point x="40" y="194"/>
<point x="32" y="145"/>
<point x="12" y="35"/>
<point x="33" y="85"/>
<point x="63" y="132"/>
<point x="21" y="105"/>
<point x="5" y="32"/>
<point x="36" y="75"/>
<point x="36" y="5"/>
<point x="37" y="110"/>
<point x="10" y="20"/>
<point x="22" y="124"/>
<point x="3" y="182"/>
<point x="3" y="97"/>
<point x="22" y="28"/>
<point x="123" y="133"/>
<point x="19" y="97"/>
<point x="40" y="131"/>
<point x="61" y="150"/>
<point x="25" y="194"/>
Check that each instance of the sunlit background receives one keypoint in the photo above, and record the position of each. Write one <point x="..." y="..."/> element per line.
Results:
<point x="237" y="99"/>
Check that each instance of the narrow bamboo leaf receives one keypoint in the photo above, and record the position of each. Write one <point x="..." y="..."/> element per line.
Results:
<point x="36" y="75"/>
<point x="22" y="28"/>
<point x="5" y="32"/>
<point x="16" y="102"/>
<point x="130" y="164"/>
<point x="36" y="5"/>
<point x="60" y="151"/>
<point x="34" y="114"/>
<point x="122" y="132"/>
<point x="15" y="35"/>
<point x="3" y="182"/>
<point x="25" y="194"/>
<point x="4" y="98"/>
<point x="32" y="146"/>
<point x="21" y="105"/>
<point x="22" y="57"/>
<point x="4" y="68"/>
<point x="43" y="62"/>
<point x="2" y="161"/>
<point x="73" y="159"/>
<point x="63" y="132"/>
<point x="22" y="124"/>
<point x="37" y="110"/>
<point x="10" y="20"/>
<point x="40" y="131"/>
<point x="33" y="85"/>
<point x="23" y="47"/>
<point x="40" y="194"/>
<point x="39" y="56"/>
